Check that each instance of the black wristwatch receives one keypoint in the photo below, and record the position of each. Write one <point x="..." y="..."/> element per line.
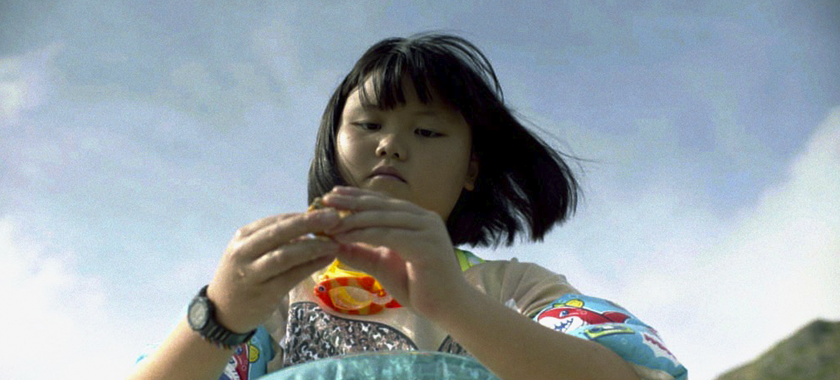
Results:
<point x="202" y="318"/>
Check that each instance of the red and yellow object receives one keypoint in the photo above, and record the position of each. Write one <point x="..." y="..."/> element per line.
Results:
<point x="352" y="292"/>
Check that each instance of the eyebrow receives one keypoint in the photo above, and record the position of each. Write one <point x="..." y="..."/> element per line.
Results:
<point x="374" y="107"/>
<point x="430" y="113"/>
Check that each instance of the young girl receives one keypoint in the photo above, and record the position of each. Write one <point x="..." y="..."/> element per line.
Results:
<point x="417" y="144"/>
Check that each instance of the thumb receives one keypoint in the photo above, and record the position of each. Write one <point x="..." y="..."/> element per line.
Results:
<point x="364" y="257"/>
<point x="380" y="262"/>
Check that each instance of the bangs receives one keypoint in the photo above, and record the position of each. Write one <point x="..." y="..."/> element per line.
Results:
<point x="389" y="87"/>
<point x="452" y="69"/>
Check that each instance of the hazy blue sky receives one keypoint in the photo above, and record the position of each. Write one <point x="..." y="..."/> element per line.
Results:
<point x="136" y="137"/>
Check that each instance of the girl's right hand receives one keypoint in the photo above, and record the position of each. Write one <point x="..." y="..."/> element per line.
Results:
<point x="264" y="261"/>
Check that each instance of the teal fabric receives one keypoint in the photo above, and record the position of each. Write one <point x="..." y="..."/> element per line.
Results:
<point x="614" y="327"/>
<point x="392" y="365"/>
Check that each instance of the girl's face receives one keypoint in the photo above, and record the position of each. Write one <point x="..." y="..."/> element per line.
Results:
<point x="427" y="145"/>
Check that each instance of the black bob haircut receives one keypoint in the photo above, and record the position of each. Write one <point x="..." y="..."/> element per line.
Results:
<point x="520" y="179"/>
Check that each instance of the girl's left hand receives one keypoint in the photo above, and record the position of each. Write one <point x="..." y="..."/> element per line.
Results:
<point x="404" y="246"/>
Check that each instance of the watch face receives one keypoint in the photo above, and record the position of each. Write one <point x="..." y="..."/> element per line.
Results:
<point x="198" y="315"/>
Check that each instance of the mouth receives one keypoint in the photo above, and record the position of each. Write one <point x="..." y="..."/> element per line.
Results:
<point x="387" y="173"/>
<point x="387" y="177"/>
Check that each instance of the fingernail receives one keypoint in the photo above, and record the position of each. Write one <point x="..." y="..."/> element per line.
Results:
<point x="336" y="200"/>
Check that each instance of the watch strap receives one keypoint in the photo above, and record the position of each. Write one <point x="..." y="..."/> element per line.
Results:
<point x="215" y="332"/>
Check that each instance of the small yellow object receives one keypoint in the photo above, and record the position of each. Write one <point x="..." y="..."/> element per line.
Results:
<point x="352" y="292"/>
<point x="253" y="353"/>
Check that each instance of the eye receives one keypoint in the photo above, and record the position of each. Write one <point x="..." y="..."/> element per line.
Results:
<point x="427" y="133"/>
<point x="368" y="126"/>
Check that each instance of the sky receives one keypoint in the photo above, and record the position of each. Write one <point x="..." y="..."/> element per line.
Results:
<point x="135" y="138"/>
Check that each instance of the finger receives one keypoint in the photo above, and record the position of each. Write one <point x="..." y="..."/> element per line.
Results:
<point x="363" y="202"/>
<point x="351" y="190"/>
<point x="378" y="237"/>
<point x="287" y="257"/>
<point x="391" y="219"/>
<point x="363" y="256"/>
<point x="249" y="228"/>
<point x="293" y="276"/>
<point x="384" y="264"/>
<point x="285" y="230"/>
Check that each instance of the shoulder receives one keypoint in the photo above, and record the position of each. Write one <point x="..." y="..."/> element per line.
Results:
<point x="526" y="287"/>
<point x="515" y="271"/>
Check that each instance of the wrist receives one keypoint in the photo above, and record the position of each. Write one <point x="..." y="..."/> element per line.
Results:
<point x="202" y="318"/>
<point x="223" y="311"/>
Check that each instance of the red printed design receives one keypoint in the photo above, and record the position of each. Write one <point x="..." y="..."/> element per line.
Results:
<point x="239" y="364"/>
<point x="571" y="315"/>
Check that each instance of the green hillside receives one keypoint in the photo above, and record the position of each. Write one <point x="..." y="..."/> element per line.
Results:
<point x="812" y="353"/>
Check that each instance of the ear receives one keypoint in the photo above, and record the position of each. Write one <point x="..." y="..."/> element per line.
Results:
<point x="472" y="173"/>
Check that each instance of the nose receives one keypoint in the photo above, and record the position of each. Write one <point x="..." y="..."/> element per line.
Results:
<point x="390" y="146"/>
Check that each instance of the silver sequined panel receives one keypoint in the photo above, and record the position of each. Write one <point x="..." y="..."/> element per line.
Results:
<point x="313" y="334"/>
<point x="450" y="346"/>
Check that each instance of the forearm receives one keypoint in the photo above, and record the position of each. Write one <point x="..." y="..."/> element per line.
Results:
<point x="184" y="355"/>
<point x="515" y="347"/>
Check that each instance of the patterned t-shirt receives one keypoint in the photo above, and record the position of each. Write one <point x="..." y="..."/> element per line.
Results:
<point x="308" y="330"/>
<point x="302" y="329"/>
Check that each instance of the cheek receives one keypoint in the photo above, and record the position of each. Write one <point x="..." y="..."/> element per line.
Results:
<point x="341" y="154"/>
<point x="346" y="143"/>
<point x="347" y="150"/>
<point x="346" y="146"/>
<point x="456" y="159"/>
<point x="340" y="147"/>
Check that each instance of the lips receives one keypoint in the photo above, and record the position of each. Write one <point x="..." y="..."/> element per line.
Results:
<point x="387" y="171"/>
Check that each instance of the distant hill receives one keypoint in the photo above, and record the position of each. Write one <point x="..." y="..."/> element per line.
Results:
<point x="812" y="353"/>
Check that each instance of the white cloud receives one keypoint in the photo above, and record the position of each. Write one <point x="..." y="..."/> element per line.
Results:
<point x="721" y="289"/>
<point x="55" y="316"/>
<point x="25" y="81"/>
<point x="773" y="269"/>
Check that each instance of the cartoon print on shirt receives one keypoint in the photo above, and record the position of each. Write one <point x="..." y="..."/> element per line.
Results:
<point x="253" y="353"/>
<point x="239" y="364"/>
<point x="568" y="316"/>
<point x="612" y="326"/>
<point x="659" y="349"/>
<point x="599" y="331"/>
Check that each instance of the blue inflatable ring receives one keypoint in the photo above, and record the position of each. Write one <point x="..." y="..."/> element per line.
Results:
<point x="392" y="365"/>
